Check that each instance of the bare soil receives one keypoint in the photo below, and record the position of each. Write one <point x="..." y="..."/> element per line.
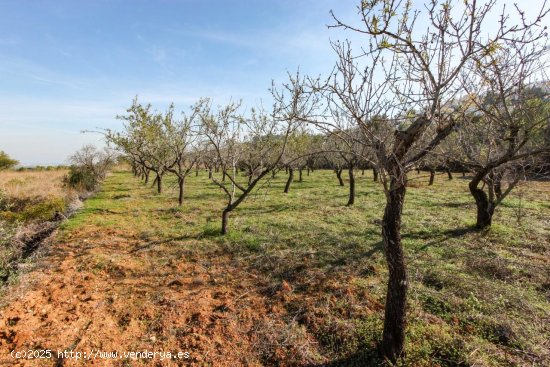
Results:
<point x="204" y="307"/>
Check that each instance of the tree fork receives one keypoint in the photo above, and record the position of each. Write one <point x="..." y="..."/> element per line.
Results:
<point x="485" y="209"/>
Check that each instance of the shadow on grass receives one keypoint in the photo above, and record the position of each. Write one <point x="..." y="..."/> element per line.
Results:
<point x="440" y="237"/>
<point x="368" y="357"/>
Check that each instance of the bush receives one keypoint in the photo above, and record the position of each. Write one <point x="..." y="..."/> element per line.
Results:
<point x="89" y="167"/>
<point x="82" y="179"/>
<point x="3" y="202"/>
<point x="6" y="161"/>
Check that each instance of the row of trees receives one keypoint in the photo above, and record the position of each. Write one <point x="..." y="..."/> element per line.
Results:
<point x="454" y="95"/>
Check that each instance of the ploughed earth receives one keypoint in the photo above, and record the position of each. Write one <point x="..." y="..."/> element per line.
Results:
<point x="128" y="303"/>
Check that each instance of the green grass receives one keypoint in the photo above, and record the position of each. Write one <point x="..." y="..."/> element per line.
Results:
<point x="475" y="297"/>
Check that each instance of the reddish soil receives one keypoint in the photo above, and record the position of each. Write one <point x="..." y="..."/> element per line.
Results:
<point x="76" y="301"/>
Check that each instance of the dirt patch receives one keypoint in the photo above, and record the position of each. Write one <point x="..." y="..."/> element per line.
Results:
<point x="94" y="293"/>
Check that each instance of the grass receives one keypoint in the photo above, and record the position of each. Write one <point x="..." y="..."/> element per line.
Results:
<point x="27" y="196"/>
<point x="27" y="200"/>
<point x="476" y="298"/>
<point x="25" y="184"/>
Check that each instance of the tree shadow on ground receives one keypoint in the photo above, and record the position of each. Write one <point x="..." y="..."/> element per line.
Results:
<point x="439" y="237"/>
<point x="367" y="357"/>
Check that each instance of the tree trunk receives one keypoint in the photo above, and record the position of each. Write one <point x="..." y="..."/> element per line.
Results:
<point x="449" y="174"/>
<point x="374" y="174"/>
<point x="485" y="209"/>
<point x="300" y="174"/>
<point x="181" y="184"/>
<point x="393" y="338"/>
<point x="197" y="171"/>
<point x="351" y="199"/>
<point x="289" y="181"/>
<point x="273" y="174"/>
<point x="308" y="171"/>
<point x="155" y="180"/>
<point x="210" y="173"/>
<point x="159" y="184"/>
<point x="339" y="175"/>
<point x="432" y="177"/>
<point x="146" y="177"/>
<point x="225" y="221"/>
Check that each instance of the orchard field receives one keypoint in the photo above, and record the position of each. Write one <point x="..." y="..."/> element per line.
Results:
<point x="299" y="280"/>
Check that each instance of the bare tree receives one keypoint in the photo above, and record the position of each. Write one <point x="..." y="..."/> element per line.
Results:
<point x="180" y="138"/>
<point x="506" y="122"/>
<point x="144" y="139"/>
<point x="93" y="160"/>
<point x="298" y="153"/>
<point x="400" y="90"/>
<point x="257" y="141"/>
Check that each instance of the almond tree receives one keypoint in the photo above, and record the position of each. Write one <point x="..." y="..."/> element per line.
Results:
<point x="180" y="137"/>
<point x="507" y="120"/>
<point x="298" y="152"/>
<point x="402" y="68"/>
<point x="144" y="140"/>
<point x="257" y="140"/>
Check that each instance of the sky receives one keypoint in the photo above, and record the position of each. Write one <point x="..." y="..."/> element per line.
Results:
<point x="72" y="66"/>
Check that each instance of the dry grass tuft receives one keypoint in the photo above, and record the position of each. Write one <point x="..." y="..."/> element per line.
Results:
<point x="25" y="184"/>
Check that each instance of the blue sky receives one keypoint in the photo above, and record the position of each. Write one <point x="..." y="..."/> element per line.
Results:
<point x="67" y="66"/>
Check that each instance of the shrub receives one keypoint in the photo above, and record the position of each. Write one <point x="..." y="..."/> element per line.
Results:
<point x="6" y="161"/>
<point x="81" y="178"/>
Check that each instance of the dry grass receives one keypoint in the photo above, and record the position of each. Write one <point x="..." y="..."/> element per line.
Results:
<point x="26" y="184"/>
<point x="29" y="201"/>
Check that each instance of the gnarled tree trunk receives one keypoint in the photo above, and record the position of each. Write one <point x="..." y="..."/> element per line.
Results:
<point x="393" y="338"/>
<point x="432" y="177"/>
<point x="485" y="209"/>
<point x="181" y="184"/>
<point x="290" y="178"/>
<point x="159" y="183"/>
<point x="225" y="221"/>
<point x="339" y="175"/>
<point x="449" y="174"/>
<point x="351" y="199"/>
<point x="374" y="174"/>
